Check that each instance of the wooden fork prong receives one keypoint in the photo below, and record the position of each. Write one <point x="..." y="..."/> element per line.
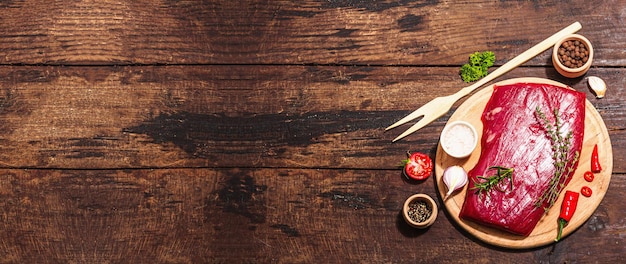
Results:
<point x="414" y="115"/>
<point x="425" y="110"/>
<point x="423" y="122"/>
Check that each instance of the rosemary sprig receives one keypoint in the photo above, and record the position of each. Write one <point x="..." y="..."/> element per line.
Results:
<point x="493" y="182"/>
<point x="561" y="145"/>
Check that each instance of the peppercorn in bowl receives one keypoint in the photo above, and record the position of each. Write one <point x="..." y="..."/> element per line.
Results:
<point x="420" y="210"/>
<point x="572" y="56"/>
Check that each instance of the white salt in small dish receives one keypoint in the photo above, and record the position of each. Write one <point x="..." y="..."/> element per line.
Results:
<point x="459" y="139"/>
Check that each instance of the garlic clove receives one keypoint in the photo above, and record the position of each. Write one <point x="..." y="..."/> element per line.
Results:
<point x="455" y="178"/>
<point x="597" y="85"/>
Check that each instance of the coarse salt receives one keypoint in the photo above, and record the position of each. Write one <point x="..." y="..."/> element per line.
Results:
<point x="459" y="140"/>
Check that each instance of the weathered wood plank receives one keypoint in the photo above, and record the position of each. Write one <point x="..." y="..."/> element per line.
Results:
<point x="235" y="116"/>
<point x="253" y="215"/>
<point x="253" y="146"/>
<point x="286" y="32"/>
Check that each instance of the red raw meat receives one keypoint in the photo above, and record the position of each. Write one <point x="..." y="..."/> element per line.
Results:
<point x="514" y="137"/>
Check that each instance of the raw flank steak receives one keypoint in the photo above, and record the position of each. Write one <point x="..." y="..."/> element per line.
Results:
<point x="517" y="121"/>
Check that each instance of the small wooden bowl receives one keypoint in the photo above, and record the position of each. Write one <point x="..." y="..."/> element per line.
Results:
<point x="429" y="202"/>
<point x="567" y="71"/>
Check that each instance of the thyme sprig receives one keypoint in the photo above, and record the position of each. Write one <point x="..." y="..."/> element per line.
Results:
<point x="493" y="182"/>
<point x="561" y="145"/>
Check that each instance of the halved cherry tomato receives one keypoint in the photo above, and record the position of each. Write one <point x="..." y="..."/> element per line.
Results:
<point x="589" y="176"/>
<point x="586" y="191"/>
<point x="419" y="166"/>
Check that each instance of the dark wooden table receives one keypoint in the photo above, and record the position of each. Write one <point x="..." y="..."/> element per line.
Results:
<point x="253" y="131"/>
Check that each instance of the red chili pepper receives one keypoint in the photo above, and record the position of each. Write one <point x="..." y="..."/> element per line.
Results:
<point x="595" y="163"/>
<point x="589" y="176"/>
<point x="568" y="207"/>
<point x="586" y="191"/>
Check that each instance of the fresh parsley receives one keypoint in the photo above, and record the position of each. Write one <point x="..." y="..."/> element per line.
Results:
<point x="477" y="67"/>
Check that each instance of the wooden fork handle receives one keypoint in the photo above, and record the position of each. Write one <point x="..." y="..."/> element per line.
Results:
<point x="523" y="57"/>
<point x="447" y="102"/>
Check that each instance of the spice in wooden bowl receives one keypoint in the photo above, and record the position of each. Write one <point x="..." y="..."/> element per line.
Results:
<point x="420" y="211"/>
<point x="572" y="56"/>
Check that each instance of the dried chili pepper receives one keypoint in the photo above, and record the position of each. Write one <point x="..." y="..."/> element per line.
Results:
<point x="595" y="163"/>
<point x="568" y="207"/>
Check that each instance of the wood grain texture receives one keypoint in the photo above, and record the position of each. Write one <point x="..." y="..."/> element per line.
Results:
<point x="252" y="215"/>
<point x="231" y="116"/>
<point x="390" y="32"/>
<point x="253" y="131"/>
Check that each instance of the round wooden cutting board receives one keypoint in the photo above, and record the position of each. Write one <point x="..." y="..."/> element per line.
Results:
<point x="546" y="230"/>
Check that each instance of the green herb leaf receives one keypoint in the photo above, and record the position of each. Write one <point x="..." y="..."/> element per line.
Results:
<point x="561" y="145"/>
<point x="488" y="183"/>
<point x="477" y="67"/>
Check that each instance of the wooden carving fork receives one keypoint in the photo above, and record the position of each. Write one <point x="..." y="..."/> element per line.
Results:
<point x="441" y="105"/>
